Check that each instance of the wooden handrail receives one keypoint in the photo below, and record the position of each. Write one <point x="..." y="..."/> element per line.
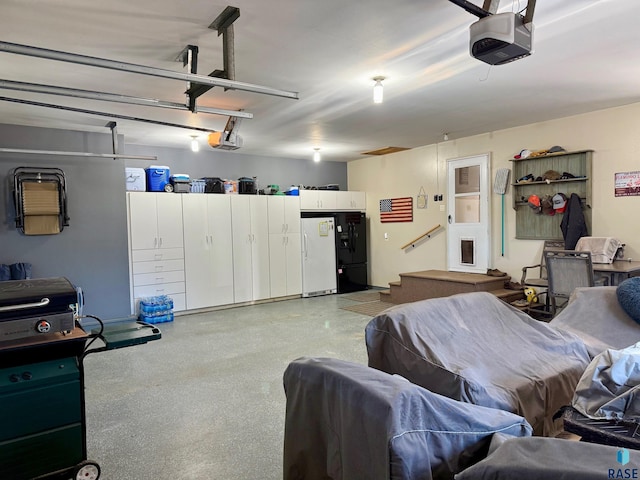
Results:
<point x="421" y="237"/>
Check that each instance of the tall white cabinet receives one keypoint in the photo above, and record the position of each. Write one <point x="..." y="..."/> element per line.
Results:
<point x="285" y="253"/>
<point x="250" y="225"/>
<point x="156" y="247"/>
<point x="208" y="250"/>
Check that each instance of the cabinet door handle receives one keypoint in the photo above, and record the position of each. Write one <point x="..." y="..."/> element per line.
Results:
<point x="155" y="242"/>
<point x="159" y="268"/>
<point x="253" y="237"/>
<point x="305" y="246"/>
<point x="159" y="279"/>
<point x="160" y="243"/>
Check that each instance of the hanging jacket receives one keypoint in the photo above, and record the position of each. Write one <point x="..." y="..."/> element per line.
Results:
<point x="573" y="224"/>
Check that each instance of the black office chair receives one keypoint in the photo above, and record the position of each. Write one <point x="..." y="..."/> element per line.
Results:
<point x="567" y="270"/>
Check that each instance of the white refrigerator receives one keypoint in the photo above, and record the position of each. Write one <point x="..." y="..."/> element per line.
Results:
<point x="318" y="256"/>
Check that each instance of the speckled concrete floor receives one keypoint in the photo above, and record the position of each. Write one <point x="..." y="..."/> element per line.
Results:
<point x="206" y="401"/>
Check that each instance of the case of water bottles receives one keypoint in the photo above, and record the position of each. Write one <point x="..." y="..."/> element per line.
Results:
<point x="157" y="309"/>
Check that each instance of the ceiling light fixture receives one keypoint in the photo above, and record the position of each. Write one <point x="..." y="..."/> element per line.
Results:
<point x="316" y="155"/>
<point x="378" y="89"/>
<point x="195" y="145"/>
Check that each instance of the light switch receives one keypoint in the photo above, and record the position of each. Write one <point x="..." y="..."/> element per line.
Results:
<point x="442" y="208"/>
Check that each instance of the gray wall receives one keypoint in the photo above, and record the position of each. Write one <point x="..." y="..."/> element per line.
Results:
<point x="92" y="251"/>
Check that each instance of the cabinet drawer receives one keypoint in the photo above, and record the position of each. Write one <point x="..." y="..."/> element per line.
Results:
<point x="157" y="278"/>
<point x="163" y="289"/>
<point x="157" y="254"/>
<point x="157" y="267"/>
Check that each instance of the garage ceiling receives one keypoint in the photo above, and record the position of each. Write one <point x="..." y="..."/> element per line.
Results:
<point x="586" y="57"/>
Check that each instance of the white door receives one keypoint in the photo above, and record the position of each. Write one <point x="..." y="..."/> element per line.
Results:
<point x="143" y="220"/>
<point x="469" y="229"/>
<point x="292" y="214"/>
<point x="318" y="256"/>
<point x="277" y="265"/>
<point x="294" y="263"/>
<point x="260" y="247"/>
<point x="169" y="220"/>
<point x="197" y="258"/>
<point x="242" y="247"/>
<point x="221" y="266"/>
<point x="276" y="214"/>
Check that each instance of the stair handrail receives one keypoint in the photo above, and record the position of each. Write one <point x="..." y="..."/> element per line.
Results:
<point x="427" y="234"/>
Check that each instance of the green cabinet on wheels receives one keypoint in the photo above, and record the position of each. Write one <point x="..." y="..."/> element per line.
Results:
<point x="41" y="416"/>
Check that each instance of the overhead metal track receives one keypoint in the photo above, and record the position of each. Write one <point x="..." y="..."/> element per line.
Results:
<point x="490" y="7"/>
<point x="141" y="69"/>
<point x="472" y="8"/>
<point x="112" y="97"/>
<point x="76" y="154"/>
<point x="102" y="114"/>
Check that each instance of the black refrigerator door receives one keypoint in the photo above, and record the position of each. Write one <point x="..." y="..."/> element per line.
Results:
<point x="351" y="238"/>
<point x="352" y="278"/>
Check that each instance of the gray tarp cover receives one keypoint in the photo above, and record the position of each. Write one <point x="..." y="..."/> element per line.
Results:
<point x="476" y="348"/>
<point x="346" y="421"/>
<point x="610" y="386"/>
<point x="538" y="458"/>
<point x="595" y="315"/>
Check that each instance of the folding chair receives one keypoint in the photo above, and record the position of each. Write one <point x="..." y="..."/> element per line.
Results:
<point x="567" y="270"/>
<point x="40" y="200"/>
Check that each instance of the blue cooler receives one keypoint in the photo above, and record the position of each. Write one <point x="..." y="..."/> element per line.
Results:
<point x="158" y="177"/>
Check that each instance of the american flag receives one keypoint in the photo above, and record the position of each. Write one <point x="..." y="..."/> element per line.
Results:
<point x="396" y="210"/>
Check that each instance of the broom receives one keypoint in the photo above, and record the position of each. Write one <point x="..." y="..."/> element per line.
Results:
<point x="500" y="187"/>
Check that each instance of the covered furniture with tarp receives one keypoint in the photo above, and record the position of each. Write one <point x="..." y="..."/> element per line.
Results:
<point x="348" y="421"/>
<point x="40" y="200"/>
<point x="536" y="458"/>
<point x="595" y="315"/>
<point x="475" y="348"/>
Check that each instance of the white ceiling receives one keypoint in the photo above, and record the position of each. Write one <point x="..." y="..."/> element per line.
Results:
<point x="586" y="57"/>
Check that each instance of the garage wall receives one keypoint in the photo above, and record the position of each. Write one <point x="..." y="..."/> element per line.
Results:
<point x="611" y="133"/>
<point x="92" y="251"/>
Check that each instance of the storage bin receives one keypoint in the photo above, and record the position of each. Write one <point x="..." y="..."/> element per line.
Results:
<point x="157" y="178"/>
<point x="135" y="178"/>
<point x="180" y="183"/>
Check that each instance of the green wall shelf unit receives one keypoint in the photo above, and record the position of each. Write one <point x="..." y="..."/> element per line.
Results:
<point x="533" y="226"/>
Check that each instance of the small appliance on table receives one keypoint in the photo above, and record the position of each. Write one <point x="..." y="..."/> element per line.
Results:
<point x="42" y="347"/>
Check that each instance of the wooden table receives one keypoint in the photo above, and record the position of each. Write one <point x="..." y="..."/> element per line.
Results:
<point x="617" y="271"/>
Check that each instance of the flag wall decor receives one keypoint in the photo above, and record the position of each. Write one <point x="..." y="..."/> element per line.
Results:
<point x="396" y="210"/>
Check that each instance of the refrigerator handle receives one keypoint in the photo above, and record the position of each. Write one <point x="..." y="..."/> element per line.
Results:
<point x="305" y="246"/>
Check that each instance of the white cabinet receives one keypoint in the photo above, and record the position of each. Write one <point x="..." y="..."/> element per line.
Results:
<point x="351" y="200"/>
<point x="331" y="200"/>
<point x="155" y="220"/>
<point x="156" y="254"/>
<point x="285" y="253"/>
<point x="317" y="199"/>
<point x="284" y="214"/>
<point x="208" y="250"/>
<point x="250" y="225"/>
<point x="285" y="258"/>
